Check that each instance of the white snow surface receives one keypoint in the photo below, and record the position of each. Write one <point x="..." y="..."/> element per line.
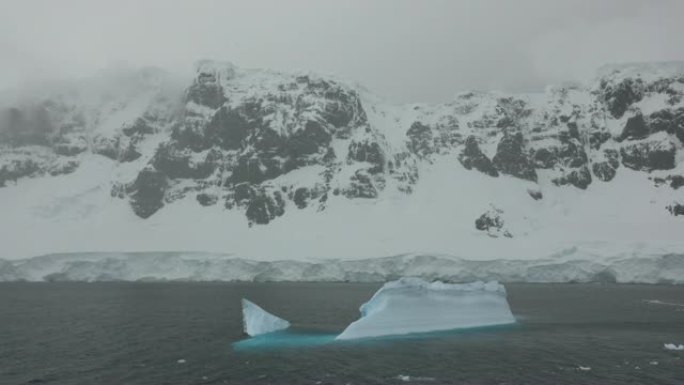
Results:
<point x="413" y="305"/>
<point x="257" y="321"/>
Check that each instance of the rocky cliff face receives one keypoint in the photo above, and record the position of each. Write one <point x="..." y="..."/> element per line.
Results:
<point x="264" y="144"/>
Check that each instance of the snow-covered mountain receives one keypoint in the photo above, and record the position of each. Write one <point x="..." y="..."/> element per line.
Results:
<point x="268" y="166"/>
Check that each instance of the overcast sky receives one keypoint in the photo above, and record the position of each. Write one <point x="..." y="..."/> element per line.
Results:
<point x="408" y="51"/>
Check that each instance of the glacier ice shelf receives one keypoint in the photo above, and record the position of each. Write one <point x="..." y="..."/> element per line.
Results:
<point x="413" y="305"/>
<point x="656" y="264"/>
<point x="257" y="321"/>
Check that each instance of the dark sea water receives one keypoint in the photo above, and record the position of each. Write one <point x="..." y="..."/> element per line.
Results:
<point x="188" y="333"/>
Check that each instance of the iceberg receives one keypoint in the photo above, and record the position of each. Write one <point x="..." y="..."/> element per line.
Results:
<point x="413" y="305"/>
<point x="257" y="321"/>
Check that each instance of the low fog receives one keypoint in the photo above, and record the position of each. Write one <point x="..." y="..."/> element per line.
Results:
<point x="407" y="51"/>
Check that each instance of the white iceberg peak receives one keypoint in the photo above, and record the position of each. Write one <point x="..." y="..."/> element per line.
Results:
<point x="413" y="305"/>
<point x="258" y="321"/>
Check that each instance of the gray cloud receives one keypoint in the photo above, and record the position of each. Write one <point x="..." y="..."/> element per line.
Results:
<point x="405" y="50"/>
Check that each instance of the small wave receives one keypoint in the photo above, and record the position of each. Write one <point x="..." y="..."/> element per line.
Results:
<point x="407" y="378"/>
<point x="664" y="303"/>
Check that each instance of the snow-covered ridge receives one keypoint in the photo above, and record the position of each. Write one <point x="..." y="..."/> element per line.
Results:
<point x="570" y="266"/>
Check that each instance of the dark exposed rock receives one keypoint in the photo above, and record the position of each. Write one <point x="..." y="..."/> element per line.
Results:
<point x="618" y="97"/>
<point x="176" y="163"/>
<point x="668" y="120"/>
<point x="505" y="122"/>
<point x="257" y="168"/>
<point x="264" y="207"/>
<point x="472" y="157"/>
<point x="317" y="111"/>
<point x="635" y="128"/>
<point x="580" y="178"/>
<point x="368" y="151"/>
<point x="492" y="223"/>
<point x="206" y="199"/>
<point x="301" y="195"/>
<point x="63" y="168"/>
<point x="509" y="112"/>
<point x="228" y="128"/>
<point x="676" y="181"/>
<point x="545" y="158"/>
<point x="139" y="128"/>
<point x="17" y="169"/>
<point x="605" y="170"/>
<point x="243" y="193"/>
<point x="147" y="192"/>
<point x="312" y="139"/>
<point x="511" y="159"/>
<point x="676" y="209"/>
<point x="361" y="186"/>
<point x="572" y="154"/>
<point x="206" y="89"/>
<point x="612" y="157"/>
<point x="404" y="169"/>
<point x="649" y="155"/>
<point x="569" y="153"/>
<point x="341" y="114"/>
<point x="420" y="139"/>
<point x="129" y="154"/>
<point x="118" y="190"/>
<point x="598" y="138"/>
<point x="535" y="194"/>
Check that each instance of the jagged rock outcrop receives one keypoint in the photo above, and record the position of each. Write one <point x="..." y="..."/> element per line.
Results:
<point x="606" y="169"/>
<point x="649" y="155"/>
<point x="420" y="139"/>
<point x="676" y="209"/>
<point x="147" y="192"/>
<point x="264" y="206"/>
<point x="535" y="194"/>
<point x="492" y="223"/>
<point x="206" y="199"/>
<point x="472" y="157"/>
<point x="512" y="159"/>
<point x="580" y="178"/>
<point x="674" y="181"/>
